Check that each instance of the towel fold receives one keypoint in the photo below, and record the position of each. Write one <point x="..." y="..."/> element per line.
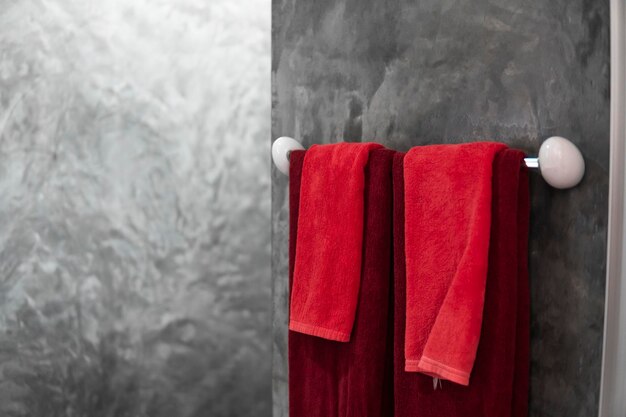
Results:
<point x="447" y="199"/>
<point x="330" y="240"/>
<point x="500" y="377"/>
<point x="354" y="379"/>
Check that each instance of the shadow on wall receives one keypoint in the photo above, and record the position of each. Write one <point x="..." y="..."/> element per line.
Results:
<point x="134" y="237"/>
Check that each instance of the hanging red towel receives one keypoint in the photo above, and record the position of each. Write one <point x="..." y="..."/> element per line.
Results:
<point x="521" y="379"/>
<point x="330" y="240"/>
<point x="500" y="378"/>
<point x="354" y="379"/>
<point x="447" y="222"/>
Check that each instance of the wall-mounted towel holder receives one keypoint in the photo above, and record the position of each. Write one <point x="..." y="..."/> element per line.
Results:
<point x="559" y="161"/>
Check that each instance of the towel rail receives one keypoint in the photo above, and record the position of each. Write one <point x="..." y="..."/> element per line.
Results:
<point x="559" y="161"/>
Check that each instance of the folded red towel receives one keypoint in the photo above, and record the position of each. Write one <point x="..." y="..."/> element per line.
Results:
<point x="330" y="240"/>
<point x="354" y="379"/>
<point x="447" y="222"/>
<point x="500" y="378"/>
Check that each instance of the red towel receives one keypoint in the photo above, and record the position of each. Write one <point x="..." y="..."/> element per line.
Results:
<point x="354" y="379"/>
<point x="521" y="380"/>
<point x="447" y="222"/>
<point x="500" y="378"/>
<point x="330" y="240"/>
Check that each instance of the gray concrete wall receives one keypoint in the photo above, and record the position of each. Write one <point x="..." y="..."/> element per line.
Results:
<point x="412" y="73"/>
<point x="135" y="208"/>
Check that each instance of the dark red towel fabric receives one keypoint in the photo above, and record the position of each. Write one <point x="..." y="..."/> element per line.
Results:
<point x="354" y="379"/>
<point x="447" y="200"/>
<point x="330" y="234"/>
<point x="521" y="378"/>
<point x="499" y="379"/>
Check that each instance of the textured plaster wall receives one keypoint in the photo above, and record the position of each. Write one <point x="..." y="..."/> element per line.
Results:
<point x="135" y="208"/>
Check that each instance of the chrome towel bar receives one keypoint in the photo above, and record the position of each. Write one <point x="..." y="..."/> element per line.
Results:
<point x="559" y="161"/>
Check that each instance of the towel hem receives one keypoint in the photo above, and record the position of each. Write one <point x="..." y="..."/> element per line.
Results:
<point x="436" y="369"/>
<point x="318" y="331"/>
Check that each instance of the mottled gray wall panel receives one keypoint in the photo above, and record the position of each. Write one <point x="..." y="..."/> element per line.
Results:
<point x="411" y="73"/>
<point x="135" y="209"/>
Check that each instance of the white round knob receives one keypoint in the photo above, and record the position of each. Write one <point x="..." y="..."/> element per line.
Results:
<point x="560" y="162"/>
<point x="280" y="152"/>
